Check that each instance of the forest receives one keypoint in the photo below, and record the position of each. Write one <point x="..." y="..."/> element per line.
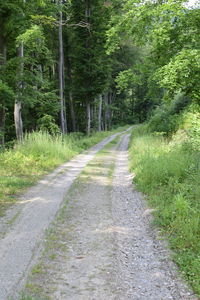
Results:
<point x="70" y="66"/>
<point x="73" y="71"/>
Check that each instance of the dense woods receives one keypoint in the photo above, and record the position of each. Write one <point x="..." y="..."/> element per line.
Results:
<point x="86" y="65"/>
<point x="55" y="73"/>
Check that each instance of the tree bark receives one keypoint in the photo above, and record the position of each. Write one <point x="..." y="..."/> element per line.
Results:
<point x="2" y="124"/>
<point x="100" y="113"/>
<point x="71" y="100"/>
<point x="18" y="99"/>
<point x="63" y="119"/>
<point x="106" y="111"/>
<point x="110" y="97"/>
<point x="88" y="118"/>
<point x="87" y="20"/>
<point x="3" y="54"/>
<point x="73" y="116"/>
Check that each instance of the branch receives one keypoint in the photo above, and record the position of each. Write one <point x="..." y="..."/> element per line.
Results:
<point x="80" y="24"/>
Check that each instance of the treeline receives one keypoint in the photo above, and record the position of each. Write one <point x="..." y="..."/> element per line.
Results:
<point x="86" y="65"/>
<point x="165" y="77"/>
<point x="54" y="70"/>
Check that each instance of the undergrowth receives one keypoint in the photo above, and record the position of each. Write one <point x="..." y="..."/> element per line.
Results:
<point x="168" y="172"/>
<point x="40" y="152"/>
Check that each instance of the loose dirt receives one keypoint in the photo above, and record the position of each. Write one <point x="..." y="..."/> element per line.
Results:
<point x="102" y="245"/>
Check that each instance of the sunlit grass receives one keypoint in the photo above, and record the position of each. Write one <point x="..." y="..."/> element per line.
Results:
<point x="169" y="173"/>
<point x="40" y="153"/>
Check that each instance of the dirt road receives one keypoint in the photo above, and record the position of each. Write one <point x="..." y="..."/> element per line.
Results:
<point x="22" y="229"/>
<point x="101" y="244"/>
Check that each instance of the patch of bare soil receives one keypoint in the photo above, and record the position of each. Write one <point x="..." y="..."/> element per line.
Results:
<point x="102" y="244"/>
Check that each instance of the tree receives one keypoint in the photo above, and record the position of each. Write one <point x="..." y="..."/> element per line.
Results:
<point x="63" y="118"/>
<point x="89" y="61"/>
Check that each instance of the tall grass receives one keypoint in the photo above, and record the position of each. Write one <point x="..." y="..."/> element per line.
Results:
<point x="169" y="173"/>
<point x="37" y="155"/>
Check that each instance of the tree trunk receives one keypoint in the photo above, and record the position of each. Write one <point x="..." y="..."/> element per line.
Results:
<point x="71" y="100"/>
<point x="2" y="124"/>
<point x="3" y="52"/>
<point x="73" y="116"/>
<point x="100" y="112"/>
<point x="88" y="118"/>
<point x="106" y="111"/>
<point x="63" y="119"/>
<point x="87" y="20"/>
<point x="110" y="97"/>
<point x="18" y="99"/>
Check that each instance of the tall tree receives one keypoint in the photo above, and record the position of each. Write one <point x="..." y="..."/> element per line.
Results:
<point x="63" y="118"/>
<point x="3" y="52"/>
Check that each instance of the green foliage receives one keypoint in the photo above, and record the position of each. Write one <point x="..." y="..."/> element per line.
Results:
<point x="169" y="173"/>
<point x="170" y="116"/>
<point x="32" y="37"/>
<point x="163" y="121"/>
<point x="39" y="153"/>
<point x="47" y="123"/>
<point x="182" y="73"/>
<point x="193" y="130"/>
<point x="6" y="93"/>
<point x="127" y="78"/>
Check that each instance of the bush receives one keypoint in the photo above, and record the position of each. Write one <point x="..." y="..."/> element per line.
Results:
<point x="163" y="121"/>
<point x="47" y="123"/>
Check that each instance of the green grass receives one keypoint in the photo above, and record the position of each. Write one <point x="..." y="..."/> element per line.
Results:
<point x="168" y="171"/>
<point x="40" y="153"/>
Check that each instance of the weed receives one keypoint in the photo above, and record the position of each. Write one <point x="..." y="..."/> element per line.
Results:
<point x="169" y="173"/>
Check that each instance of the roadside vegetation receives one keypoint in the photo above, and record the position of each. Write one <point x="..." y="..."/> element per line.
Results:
<point x="36" y="156"/>
<point x="167" y="170"/>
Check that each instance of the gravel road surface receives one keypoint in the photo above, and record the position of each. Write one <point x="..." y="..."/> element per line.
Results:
<point x="103" y="245"/>
<point x="20" y="242"/>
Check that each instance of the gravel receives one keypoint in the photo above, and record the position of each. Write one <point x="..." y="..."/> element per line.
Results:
<point x="111" y="249"/>
<point x="21" y="240"/>
<point x="143" y="266"/>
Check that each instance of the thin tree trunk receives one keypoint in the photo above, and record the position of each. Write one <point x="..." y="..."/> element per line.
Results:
<point x="19" y="94"/>
<point x="71" y="100"/>
<point x="3" y="54"/>
<point x="73" y="116"/>
<point x="109" y="109"/>
<point x="63" y="119"/>
<point x="87" y="20"/>
<point x="53" y="71"/>
<point x="18" y="99"/>
<point x="92" y="114"/>
<point x="100" y="112"/>
<point x="88" y="118"/>
<point x="95" y="115"/>
<point x="2" y="124"/>
<point x="106" y="111"/>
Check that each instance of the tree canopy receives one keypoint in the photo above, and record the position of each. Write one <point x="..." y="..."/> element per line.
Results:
<point x="85" y="65"/>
